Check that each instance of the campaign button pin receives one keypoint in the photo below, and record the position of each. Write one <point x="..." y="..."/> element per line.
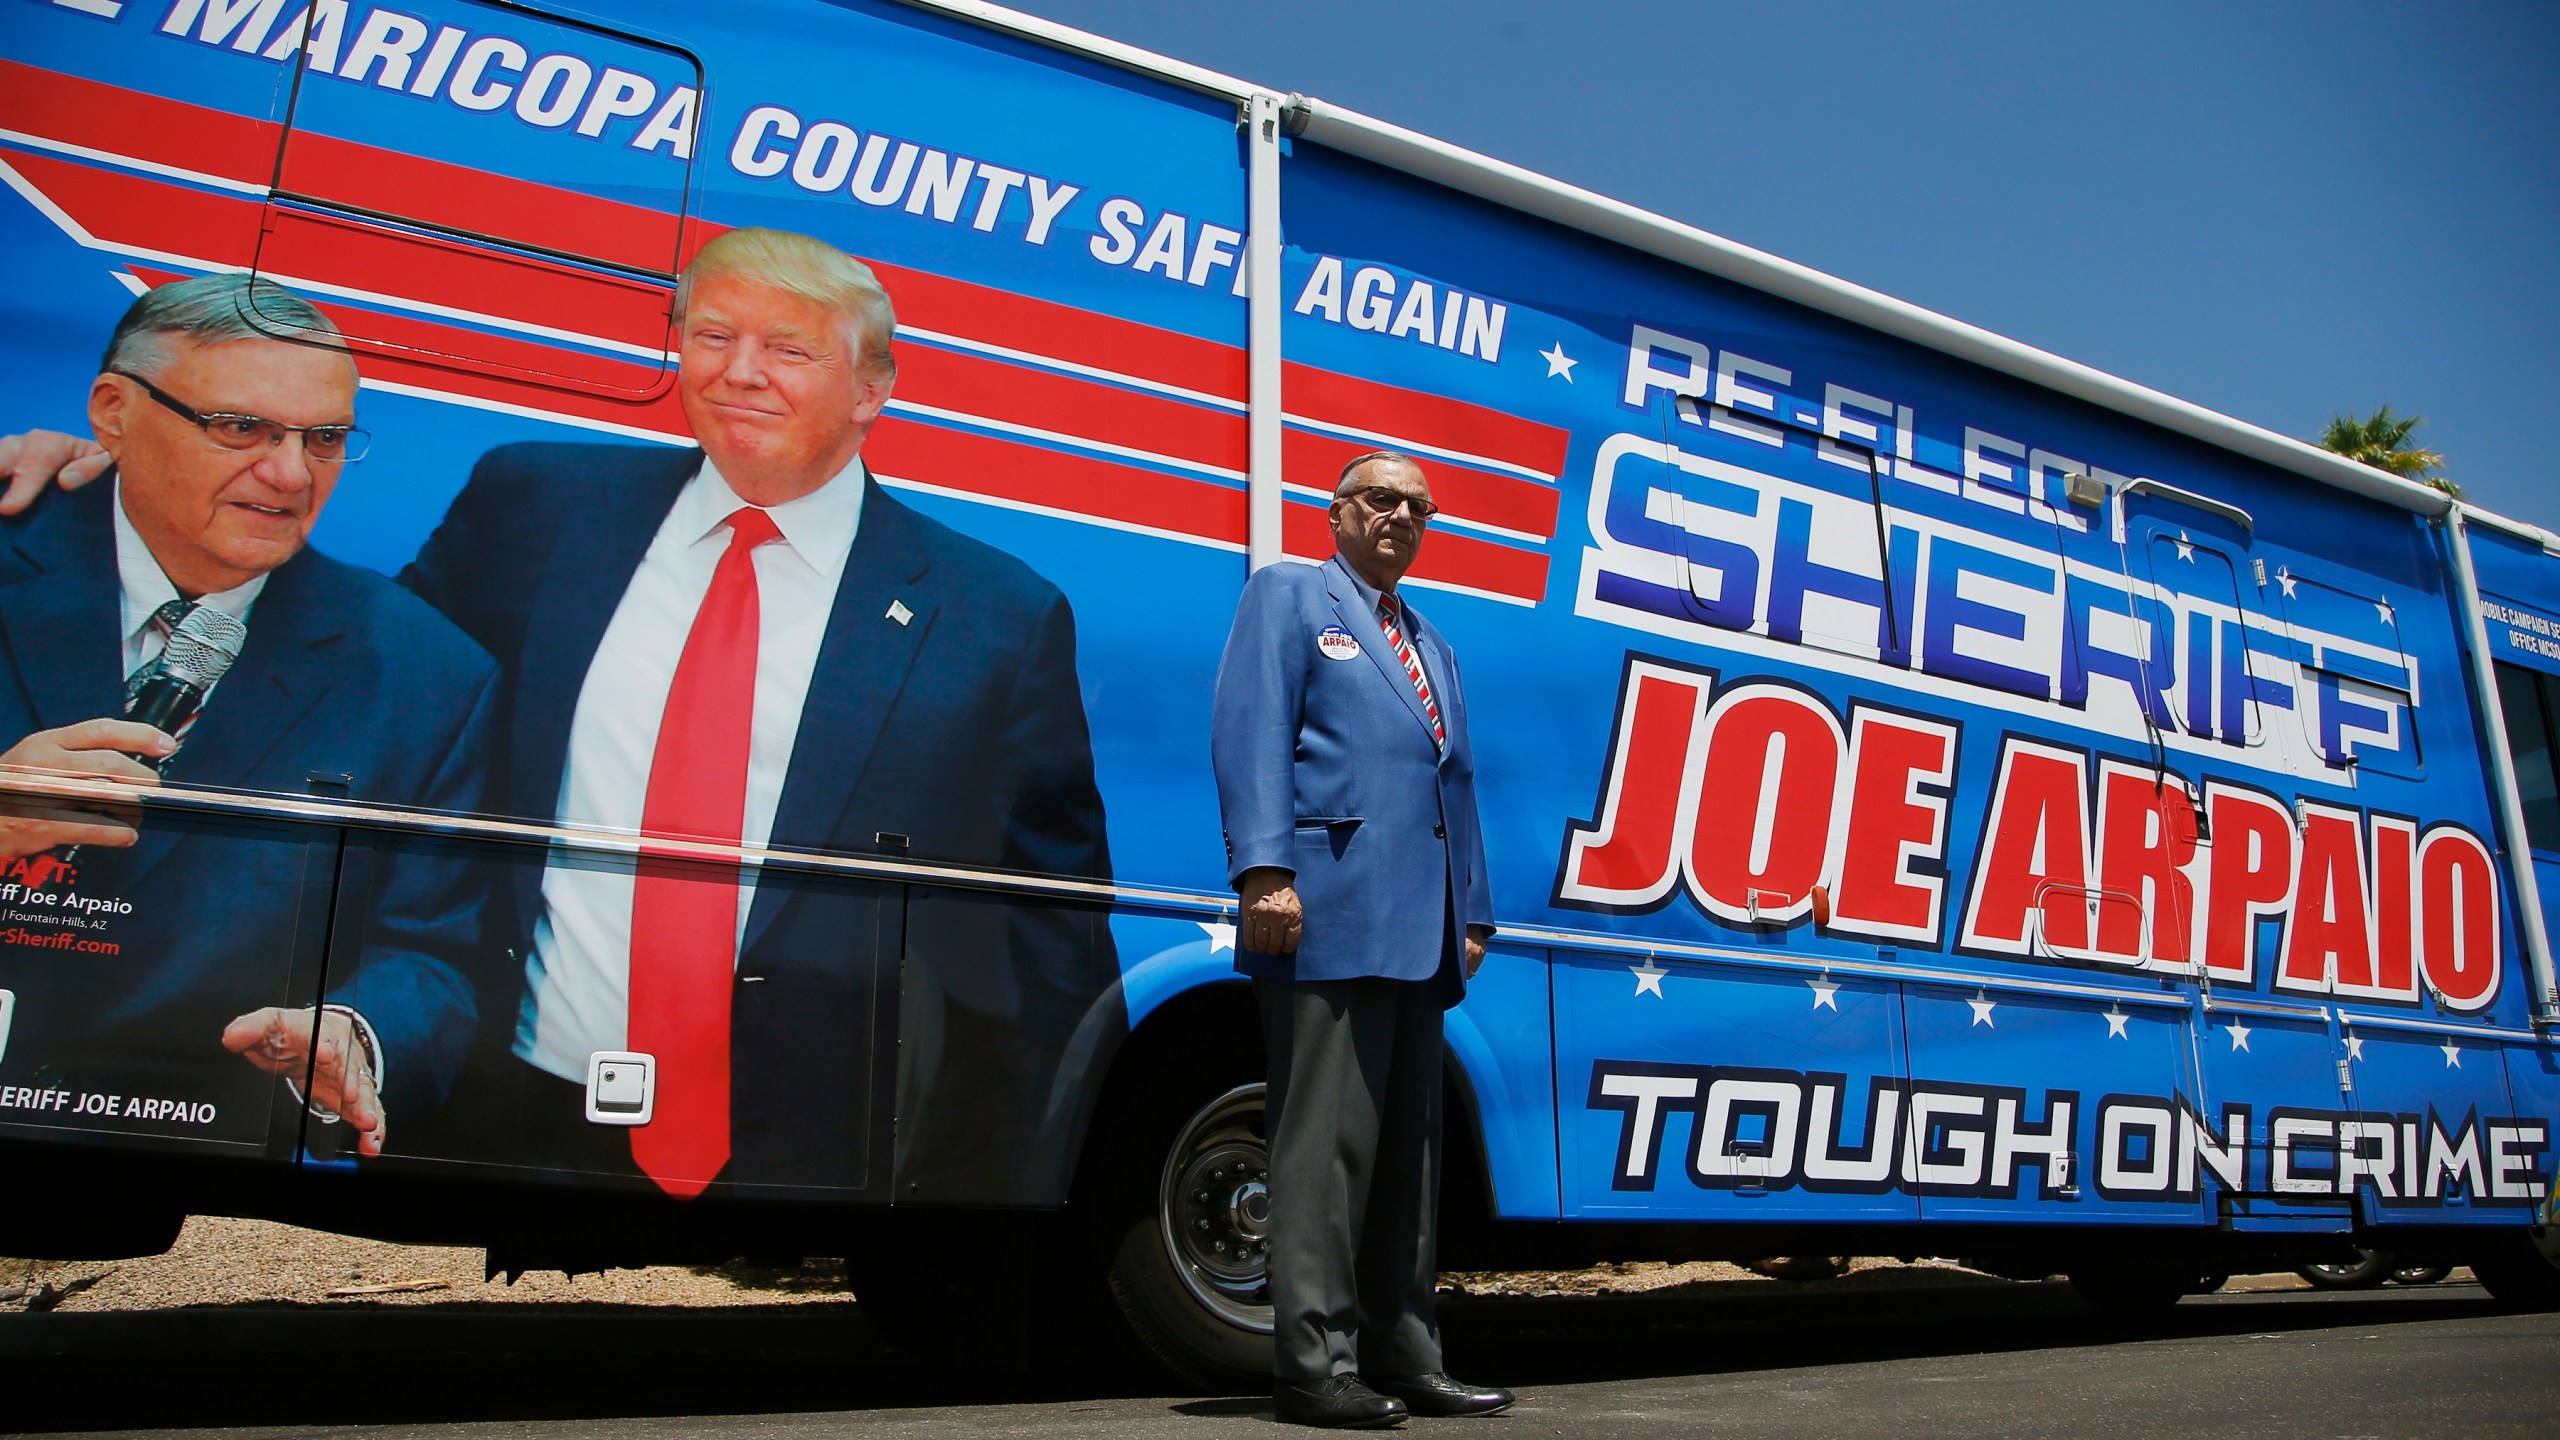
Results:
<point x="1337" y="643"/>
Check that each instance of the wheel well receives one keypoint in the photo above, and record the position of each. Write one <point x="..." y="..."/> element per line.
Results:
<point x="1214" y="1023"/>
<point x="1219" y="1023"/>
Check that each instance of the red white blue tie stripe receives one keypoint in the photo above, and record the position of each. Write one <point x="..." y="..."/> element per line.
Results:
<point x="1412" y="665"/>
<point x="165" y="620"/>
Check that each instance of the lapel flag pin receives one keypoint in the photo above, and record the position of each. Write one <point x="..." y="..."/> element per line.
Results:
<point x="899" y="612"/>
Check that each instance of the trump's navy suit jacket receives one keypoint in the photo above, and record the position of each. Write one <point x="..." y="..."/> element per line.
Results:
<point x="344" y="674"/>
<point x="961" y="728"/>
<point x="1327" y="768"/>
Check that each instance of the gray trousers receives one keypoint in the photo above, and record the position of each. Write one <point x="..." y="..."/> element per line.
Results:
<point x="1354" y="1122"/>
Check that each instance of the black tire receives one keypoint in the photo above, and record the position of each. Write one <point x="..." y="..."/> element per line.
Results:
<point x="2131" y="1294"/>
<point x="2370" y="1269"/>
<point x="2521" y="1271"/>
<point x="2420" y="1274"/>
<point x="1185" y="1272"/>
<point x="2207" y="1283"/>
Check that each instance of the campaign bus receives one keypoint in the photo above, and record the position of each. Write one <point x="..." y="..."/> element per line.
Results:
<point x="1941" y="799"/>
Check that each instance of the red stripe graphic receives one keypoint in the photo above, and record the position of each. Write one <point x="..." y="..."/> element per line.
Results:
<point x="407" y="350"/>
<point x="1063" y="332"/>
<point x="461" y="198"/>
<point x="130" y="122"/>
<point x="1064" y="404"/>
<point x="123" y="208"/>
<point x="1421" y="418"/>
<point x="345" y="251"/>
<point x="126" y="209"/>
<point x="624" y="391"/>
<point x="1057" y="480"/>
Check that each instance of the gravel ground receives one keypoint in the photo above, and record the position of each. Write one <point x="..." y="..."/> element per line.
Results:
<point x="253" y="1262"/>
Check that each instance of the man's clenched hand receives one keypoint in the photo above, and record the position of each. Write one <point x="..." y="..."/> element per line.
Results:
<point x="1270" y="918"/>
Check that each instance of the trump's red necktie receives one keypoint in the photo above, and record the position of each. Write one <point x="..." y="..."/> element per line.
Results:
<point x="684" y="916"/>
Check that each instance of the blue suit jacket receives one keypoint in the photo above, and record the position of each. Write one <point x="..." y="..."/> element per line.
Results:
<point x="1327" y="769"/>
<point x="343" y="674"/>
<point x="962" y="729"/>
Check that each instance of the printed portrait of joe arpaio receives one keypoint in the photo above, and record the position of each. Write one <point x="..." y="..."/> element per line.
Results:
<point x="170" y="625"/>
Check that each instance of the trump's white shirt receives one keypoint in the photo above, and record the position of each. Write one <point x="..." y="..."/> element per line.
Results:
<point x="578" y="997"/>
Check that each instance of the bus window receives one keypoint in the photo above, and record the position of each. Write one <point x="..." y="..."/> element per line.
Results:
<point x="2525" y="696"/>
<point x="1815" y="510"/>
<point x="2228" y="675"/>
<point x="532" y="172"/>
<point x="2359" y="693"/>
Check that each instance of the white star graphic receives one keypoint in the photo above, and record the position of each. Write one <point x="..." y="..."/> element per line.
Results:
<point x="2115" y="1025"/>
<point x="2355" y="1047"/>
<point x="1649" y="977"/>
<point x="2239" y="1036"/>
<point x="1824" y="993"/>
<point x="2285" y="578"/>
<point x="2385" y="607"/>
<point x="2186" y="548"/>
<point x="1982" y="1007"/>
<point x="1558" y="363"/>
<point x="1222" y="936"/>
<point x="2452" y="1055"/>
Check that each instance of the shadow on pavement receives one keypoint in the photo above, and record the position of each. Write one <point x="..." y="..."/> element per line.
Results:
<point x="269" y="1366"/>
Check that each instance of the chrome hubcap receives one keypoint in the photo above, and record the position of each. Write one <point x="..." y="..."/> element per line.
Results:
<point x="1215" y="1204"/>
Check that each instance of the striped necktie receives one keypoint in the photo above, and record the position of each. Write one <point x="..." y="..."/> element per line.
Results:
<point x="1412" y="665"/>
<point x="165" y="620"/>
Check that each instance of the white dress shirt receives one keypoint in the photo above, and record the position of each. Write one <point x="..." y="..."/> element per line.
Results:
<point x="147" y="588"/>
<point x="578" y="997"/>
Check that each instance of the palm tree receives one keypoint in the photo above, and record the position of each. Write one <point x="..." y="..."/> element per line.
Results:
<point x="2381" y="440"/>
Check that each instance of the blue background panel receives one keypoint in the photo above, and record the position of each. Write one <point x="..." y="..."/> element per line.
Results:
<point x="1770" y="1034"/>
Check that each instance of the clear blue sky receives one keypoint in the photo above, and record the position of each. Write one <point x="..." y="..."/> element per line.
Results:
<point x="2275" y="210"/>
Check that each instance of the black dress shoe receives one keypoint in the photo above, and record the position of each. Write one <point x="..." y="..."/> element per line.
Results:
<point x="1337" y="1402"/>
<point x="1437" y="1394"/>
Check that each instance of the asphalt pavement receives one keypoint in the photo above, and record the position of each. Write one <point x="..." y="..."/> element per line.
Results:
<point x="1974" y="1359"/>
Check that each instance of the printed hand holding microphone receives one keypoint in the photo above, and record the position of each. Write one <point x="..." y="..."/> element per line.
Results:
<point x="169" y="691"/>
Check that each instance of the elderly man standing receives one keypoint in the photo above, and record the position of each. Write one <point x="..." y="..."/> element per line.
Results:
<point x="226" y="442"/>
<point x="1339" y="738"/>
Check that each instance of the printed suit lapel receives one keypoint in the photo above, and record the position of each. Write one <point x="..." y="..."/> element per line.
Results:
<point x="863" y="663"/>
<point x="1362" y="622"/>
<point x="285" y="669"/>
<point x="62" y="610"/>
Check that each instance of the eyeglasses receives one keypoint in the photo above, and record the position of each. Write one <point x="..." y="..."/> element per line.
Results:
<point x="327" y="444"/>
<point x="1383" y="501"/>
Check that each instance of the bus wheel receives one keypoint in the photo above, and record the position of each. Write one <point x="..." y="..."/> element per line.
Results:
<point x="2369" y="1269"/>
<point x="1187" y="1269"/>
<point x="2522" y="1271"/>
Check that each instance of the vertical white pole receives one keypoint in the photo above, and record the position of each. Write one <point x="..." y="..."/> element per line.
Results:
<point x="1262" y="332"/>
<point x="2502" y="775"/>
